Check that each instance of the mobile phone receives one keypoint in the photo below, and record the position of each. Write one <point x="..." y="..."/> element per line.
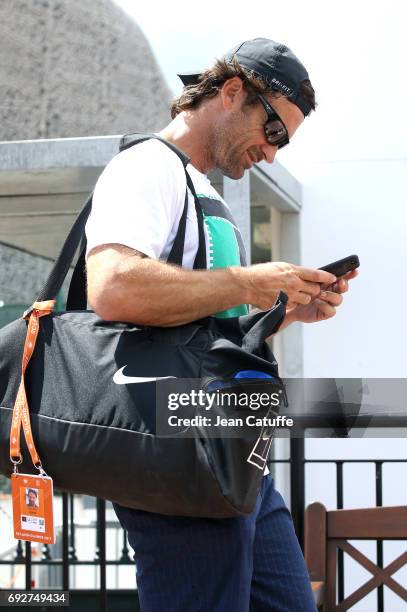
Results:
<point x="342" y="266"/>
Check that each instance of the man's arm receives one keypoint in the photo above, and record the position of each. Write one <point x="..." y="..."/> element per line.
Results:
<point x="124" y="285"/>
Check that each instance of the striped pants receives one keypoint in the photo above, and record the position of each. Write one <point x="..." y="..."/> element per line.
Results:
<point x="244" y="564"/>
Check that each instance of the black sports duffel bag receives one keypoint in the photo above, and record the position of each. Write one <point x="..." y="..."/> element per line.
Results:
<point x="95" y="428"/>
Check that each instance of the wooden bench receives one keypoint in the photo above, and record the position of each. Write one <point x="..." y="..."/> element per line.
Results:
<point x="326" y="532"/>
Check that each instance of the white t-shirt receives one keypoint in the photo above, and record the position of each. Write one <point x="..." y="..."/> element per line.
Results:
<point x="138" y="202"/>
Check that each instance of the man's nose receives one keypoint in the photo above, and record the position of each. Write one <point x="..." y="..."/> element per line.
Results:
<point x="269" y="152"/>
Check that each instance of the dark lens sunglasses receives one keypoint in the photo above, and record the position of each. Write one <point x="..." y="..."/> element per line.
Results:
<point x="274" y="128"/>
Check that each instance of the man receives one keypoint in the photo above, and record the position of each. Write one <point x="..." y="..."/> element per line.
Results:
<point x="233" y="115"/>
<point x="32" y="499"/>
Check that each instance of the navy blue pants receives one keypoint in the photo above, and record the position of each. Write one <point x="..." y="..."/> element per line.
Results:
<point x="245" y="564"/>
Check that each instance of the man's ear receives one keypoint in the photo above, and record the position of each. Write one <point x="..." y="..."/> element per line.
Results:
<point x="232" y="92"/>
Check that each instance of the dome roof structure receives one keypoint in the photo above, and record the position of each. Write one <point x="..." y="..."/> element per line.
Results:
<point x="76" y="68"/>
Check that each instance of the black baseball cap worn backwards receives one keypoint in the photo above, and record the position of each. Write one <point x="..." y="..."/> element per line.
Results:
<point x="273" y="62"/>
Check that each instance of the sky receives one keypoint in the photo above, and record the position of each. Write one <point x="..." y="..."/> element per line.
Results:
<point x="355" y="52"/>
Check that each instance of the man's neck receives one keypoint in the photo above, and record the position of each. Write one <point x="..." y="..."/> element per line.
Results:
<point x="188" y="132"/>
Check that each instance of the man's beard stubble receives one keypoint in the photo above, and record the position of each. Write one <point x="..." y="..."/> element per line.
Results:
<point x="221" y="146"/>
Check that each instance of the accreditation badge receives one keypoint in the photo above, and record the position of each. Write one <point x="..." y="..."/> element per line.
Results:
<point x="33" y="515"/>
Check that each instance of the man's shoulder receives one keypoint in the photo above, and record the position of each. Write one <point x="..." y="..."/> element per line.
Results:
<point x="152" y="152"/>
<point x="148" y="163"/>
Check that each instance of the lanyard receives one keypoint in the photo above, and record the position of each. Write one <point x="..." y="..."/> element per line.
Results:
<point x="21" y="414"/>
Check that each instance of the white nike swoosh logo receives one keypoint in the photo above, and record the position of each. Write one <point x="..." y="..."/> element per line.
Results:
<point x="120" y="379"/>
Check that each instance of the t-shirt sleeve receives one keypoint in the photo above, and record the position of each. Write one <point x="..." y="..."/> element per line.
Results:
<point x="138" y="200"/>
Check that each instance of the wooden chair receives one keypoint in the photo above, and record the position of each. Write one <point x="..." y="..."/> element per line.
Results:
<point x="325" y="532"/>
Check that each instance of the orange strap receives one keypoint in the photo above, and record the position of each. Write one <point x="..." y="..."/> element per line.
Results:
<point x="21" y="414"/>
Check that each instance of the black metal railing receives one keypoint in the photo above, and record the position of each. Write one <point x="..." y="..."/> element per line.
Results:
<point x="99" y="599"/>
<point x="103" y="599"/>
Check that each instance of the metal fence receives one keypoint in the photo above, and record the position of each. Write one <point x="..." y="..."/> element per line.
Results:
<point x="60" y="559"/>
<point x="104" y="599"/>
<point x="298" y="464"/>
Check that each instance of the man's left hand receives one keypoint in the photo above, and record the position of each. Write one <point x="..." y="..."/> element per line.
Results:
<point x="324" y="305"/>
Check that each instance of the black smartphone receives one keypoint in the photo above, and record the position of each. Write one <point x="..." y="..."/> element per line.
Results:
<point x="342" y="266"/>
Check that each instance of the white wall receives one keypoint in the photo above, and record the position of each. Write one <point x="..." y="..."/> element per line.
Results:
<point x="359" y="207"/>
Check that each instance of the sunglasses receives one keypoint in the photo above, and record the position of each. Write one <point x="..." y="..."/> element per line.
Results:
<point x="275" y="131"/>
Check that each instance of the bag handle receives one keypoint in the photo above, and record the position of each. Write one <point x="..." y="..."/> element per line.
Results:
<point x="200" y="258"/>
<point x="263" y="324"/>
<point x="77" y="290"/>
<point x="61" y="266"/>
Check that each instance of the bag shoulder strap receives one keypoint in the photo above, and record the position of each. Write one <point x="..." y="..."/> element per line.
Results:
<point x="129" y="140"/>
<point x="177" y="250"/>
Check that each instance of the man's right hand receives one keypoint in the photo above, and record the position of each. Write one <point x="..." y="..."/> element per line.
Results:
<point x="264" y="282"/>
